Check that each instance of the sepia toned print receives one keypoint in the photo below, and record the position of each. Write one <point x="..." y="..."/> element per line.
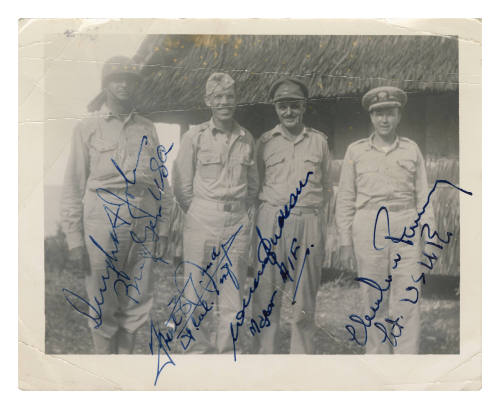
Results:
<point x="254" y="197"/>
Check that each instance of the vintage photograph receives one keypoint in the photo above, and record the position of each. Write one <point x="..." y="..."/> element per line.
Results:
<point x="252" y="194"/>
<point x="250" y="204"/>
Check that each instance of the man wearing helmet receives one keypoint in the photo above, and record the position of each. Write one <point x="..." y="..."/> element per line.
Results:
<point x="114" y="214"/>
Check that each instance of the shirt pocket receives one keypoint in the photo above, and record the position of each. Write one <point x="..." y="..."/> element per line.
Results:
<point x="275" y="167"/>
<point x="312" y="164"/>
<point x="366" y="167"/>
<point x="241" y="165"/>
<point x="141" y="156"/>
<point x="367" y="176"/>
<point x="102" y="152"/>
<point x="405" y="171"/>
<point x="408" y="165"/>
<point x="210" y="166"/>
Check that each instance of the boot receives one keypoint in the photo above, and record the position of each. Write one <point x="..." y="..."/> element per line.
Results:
<point x="104" y="345"/>
<point x="125" y="341"/>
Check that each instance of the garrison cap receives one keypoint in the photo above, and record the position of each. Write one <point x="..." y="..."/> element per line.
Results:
<point x="119" y="65"/>
<point x="218" y="79"/>
<point x="288" y="88"/>
<point x="384" y="97"/>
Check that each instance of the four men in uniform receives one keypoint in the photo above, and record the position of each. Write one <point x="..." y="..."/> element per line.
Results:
<point x="219" y="176"/>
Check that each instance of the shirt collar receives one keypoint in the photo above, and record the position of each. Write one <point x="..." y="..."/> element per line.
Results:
<point x="237" y="129"/>
<point x="390" y="148"/>
<point x="107" y="114"/>
<point x="278" y="130"/>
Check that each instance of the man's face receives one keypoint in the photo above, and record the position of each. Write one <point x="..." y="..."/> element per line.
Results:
<point x="385" y="120"/>
<point x="290" y="113"/>
<point x="122" y="87"/>
<point x="222" y="102"/>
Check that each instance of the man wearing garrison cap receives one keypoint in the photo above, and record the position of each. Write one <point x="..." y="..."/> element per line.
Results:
<point x="105" y="165"/>
<point x="388" y="170"/>
<point x="216" y="183"/>
<point x="285" y="156"/>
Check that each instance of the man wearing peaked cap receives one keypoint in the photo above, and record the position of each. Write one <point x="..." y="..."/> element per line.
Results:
<point x="288" y="88"/>
<point x="384" y="97"/>
<point x="104" y="157"/>
<point x="383" y="170"/>
<point x="216" y="183"/>
<point x="287" y="155"/>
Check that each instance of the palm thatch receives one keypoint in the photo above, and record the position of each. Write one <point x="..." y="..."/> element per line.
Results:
<point x="177" y="66"/>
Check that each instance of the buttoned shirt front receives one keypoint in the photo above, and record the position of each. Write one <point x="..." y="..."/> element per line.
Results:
<point x="98" y="141"/>
<point x="284" y="162"/>
<point x="371" y="176"/>
<point x="215" y="166"/>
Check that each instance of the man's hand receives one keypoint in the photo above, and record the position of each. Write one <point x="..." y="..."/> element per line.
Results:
<point x="161" y="246"/>
<point x="78" y="261"/>
<point x="347" y="259"/>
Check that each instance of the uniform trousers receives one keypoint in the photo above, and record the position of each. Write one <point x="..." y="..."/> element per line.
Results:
<point x="120" y="280"/>
<point x="208" y="226"/>
<point x="302" y="230"/>
<point x="377" y="265"/>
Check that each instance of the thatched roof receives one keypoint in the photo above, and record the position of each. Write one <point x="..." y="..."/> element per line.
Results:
<point x="177" y="66"/>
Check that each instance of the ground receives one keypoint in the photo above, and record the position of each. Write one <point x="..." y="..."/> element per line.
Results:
<point x="67" y="331"/>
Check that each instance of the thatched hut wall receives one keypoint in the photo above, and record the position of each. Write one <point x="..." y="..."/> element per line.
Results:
<point x="176" y="67"/>
<point x="337" y="69"/>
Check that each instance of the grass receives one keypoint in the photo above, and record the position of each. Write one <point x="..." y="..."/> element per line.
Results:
<point x="67" y="331"/>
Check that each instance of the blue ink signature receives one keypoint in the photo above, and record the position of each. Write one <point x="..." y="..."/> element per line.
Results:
<point x="396" y="330"/>
<point x="266" y="255"/>
<point x="366" y="322"/>
<point x="263" y="318"/>
<point x="408" y="233"/>
<point x="413" y="297"/>
<point x="112" y="204"/>
<point x="188" y="307"/>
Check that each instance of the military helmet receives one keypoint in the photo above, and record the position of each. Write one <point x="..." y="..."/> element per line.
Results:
<point x="119" y="65"/>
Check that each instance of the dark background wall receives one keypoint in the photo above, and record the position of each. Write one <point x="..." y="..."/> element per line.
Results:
<point x="431" y="120"/>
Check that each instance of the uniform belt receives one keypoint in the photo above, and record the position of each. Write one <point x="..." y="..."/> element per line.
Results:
<point x="137" y="191"/>
<point x="297" y="210"/>
<point x="391" y="207"/>
<point x="232" y="206"/>
<point x="305" y="210"/>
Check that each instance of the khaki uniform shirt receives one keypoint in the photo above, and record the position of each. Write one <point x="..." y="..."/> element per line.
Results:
<point x="213" y="166"/>
<point x="96" y="141"/>
<point x="375" y="177"/>
<point x="284" y="162"/>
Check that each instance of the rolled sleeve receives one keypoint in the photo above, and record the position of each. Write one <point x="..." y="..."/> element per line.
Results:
<point x="345" y="203"/>
<point x="75" y="180"/>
